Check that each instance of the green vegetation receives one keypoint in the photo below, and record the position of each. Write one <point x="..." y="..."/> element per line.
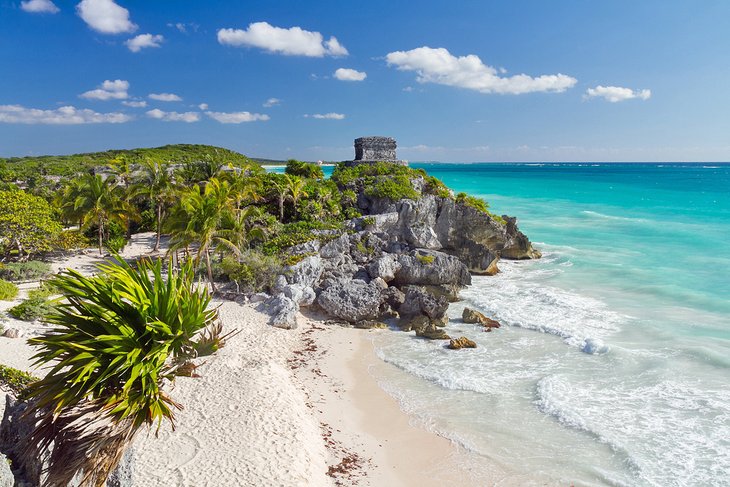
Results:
<point x="252" y="271"/>
<point x="425" y="259"/>
<point x="478" y="204"/>
<point x="115" y="341"/>
<point x="302" y="169"/>
<point x="25" y="271"/>
<point x="392" y="187"/>
<point x="25" y="167"/>
<point x="31" y="309"/>
<point x="8" y="290"/>
<point x="27" y="224"/>
<point x="15" y="380"/>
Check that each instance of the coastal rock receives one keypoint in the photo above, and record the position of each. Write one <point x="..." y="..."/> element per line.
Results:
<point x="307" y="272"/>
<point x="430" y="267"/>
<point x="370" y="324"/>
<point x="259" y="297"/>
<point x="418" y="301"/>
<point x="302" y="295"/>
<point x="473" y="316"/>
<point x="350" y="300"/>
<point x="7" y="479"/>
<point x="384" y="267"/>
<point x="283" y="311"/>
<point x="335" y="248"/>
<point x="461" y="342"/>
<point x="432" y="331"/>
<point x="11" y="333"/>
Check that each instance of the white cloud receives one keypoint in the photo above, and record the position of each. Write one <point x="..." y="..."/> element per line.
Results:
<point x="39" y="7"/>
<point x="294" y="41"/>
<point x="203" y="106"/>
<point x="615" y="94"/>
<point x="164" y="97"/>
<point x="326" y="116"/>
<point x="108" y="90"/>
<point x="346" y="74"/>
<point x="237" y="117"/>
<point x="105" y="16"/>
<point x="135" y="104"/>
<point x="408" y="89"/>
<point x="188" y="117"/>
<point x="272" y="102"/>
<point x="136" y="44"/>
<point x="183" y="27"/>
<point x="67" y="115"/>
<point x="441" y="67"/>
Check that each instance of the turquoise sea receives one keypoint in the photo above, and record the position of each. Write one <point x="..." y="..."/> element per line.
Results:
<point x="613" y="364"/>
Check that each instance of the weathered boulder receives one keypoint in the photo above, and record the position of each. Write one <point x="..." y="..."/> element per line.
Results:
<point x="420" y="302"/>
<point x="473" y="316"/>
<point x="336" y="247"/>
<point x="350" y="300"/>
<point x="384" y="267"/>
<point x="461" y="342"/>
<point x="432" y="331"/>
<point x="306" y="272"/>
<point x="430" y="267"/>
<point x="370" y="324"/>
<point x="283" y="311"/>
<point x="11" y="333"/>
<point x="301" y="295"/>
<point x="259" y="297"/>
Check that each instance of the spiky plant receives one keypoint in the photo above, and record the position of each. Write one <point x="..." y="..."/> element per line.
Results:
<point x="115" y="340"/>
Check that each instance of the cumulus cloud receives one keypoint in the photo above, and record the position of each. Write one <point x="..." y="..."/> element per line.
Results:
<point x="272" y="102"/>
<point x="135" y="104"/>
<point x="105" y="16"/>
<point x="164" y="97"/>
<point x="237" y="117"/>
<point x="203" y="106"/>
<point x="39" y="7"/>
<point x="136" y="44"/>
<point x="294" y="41"/>
<point x="346" y="74"/>
<point x="326" y="116"/>
<point x="441" y="67"/>
<point x="67" y="115"/>
<point x="108" y="90"/>
<point x="188" y="117"/>
<point x="616" y="94"/>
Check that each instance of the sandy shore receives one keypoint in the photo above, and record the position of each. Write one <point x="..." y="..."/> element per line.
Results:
<point x="275" y="407"/>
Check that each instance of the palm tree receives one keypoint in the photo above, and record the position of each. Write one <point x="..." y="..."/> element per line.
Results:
<point x="280" y="191"/>
<point x="198" y="221"/>
<point x="157" y="184"/>
<point x="115" y="341"/>
<point x="295" y="188"/>
<point x="97" y="201"/>
<point x="244" y="187"/>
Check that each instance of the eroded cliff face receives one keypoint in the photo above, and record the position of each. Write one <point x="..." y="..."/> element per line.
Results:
<point x="403" y="262"/>
<point x="437" y="223"/>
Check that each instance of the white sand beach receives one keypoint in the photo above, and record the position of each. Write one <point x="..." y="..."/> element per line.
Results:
<point x="273" y="407"/>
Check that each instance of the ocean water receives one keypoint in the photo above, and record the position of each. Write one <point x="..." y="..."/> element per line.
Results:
<point x="612" y="366"/>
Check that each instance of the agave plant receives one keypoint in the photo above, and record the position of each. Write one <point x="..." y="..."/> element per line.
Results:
<point x="115" y="341"/>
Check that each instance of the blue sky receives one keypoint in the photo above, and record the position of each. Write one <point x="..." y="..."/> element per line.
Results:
<point x="451" y="81"/>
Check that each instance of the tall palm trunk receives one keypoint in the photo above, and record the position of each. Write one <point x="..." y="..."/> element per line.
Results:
<point x="281" y="209"/>
<point x="101" y="236"/>
<point x="210" y="270"/>
<point x="159" y="227"/>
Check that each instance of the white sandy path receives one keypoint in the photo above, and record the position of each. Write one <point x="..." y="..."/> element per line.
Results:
<point x="245" y="423"/>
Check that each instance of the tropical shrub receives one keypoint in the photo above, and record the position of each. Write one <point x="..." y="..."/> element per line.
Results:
<point x="252" y="271"/>
<point x="14" y="379"/>
<point x="25" y="271"/>
<point x="27" y="224"/>
<point x="45" y="290"/>
<point x="300" y="232"/>
<point x="115" y="341"/>
<point x="304" y="169"/>
<point x="393" y="187"/>
<point x="8" y="290"/>
<point x="31" y="309"/>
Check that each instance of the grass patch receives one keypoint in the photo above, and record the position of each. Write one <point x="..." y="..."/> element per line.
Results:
<point x="14" y="379"/>
<point x="25" y="271"/>
<point x="8" y="291"/>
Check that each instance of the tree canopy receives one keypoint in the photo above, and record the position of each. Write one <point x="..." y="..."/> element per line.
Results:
<point x="27" y="224"/>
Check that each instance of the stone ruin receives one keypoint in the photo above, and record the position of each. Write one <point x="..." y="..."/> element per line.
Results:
<point x="369" y="150"/>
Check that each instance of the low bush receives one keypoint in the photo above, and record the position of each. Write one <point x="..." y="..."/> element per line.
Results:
<point x="115" y="244"/>
<point x="304" y="169"/>
<point x="72" y="240"/>
<point x="46" y="290"/>
<point x="298" y="233"/>
<point x="8" y="290"/>
<point x="31" y="309"/>
<point x="25" y="271"/>
<point x="252" y="271"/>
<point x="425" y="259"/>
<point x="394" y="188"/>
<point x="14" y="379"/>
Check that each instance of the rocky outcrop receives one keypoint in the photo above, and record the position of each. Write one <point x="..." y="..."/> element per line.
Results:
<point x="461" y="342"/>
<point x="351" y="300"/>
<point x="283" y="311"/>
<point x="473" y="316"/>
<point x="430" y="267"/>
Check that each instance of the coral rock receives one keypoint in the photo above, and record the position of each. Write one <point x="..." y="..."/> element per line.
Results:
<point x="461" y="342"/>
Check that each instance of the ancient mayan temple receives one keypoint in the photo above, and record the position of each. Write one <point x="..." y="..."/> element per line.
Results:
<point x="369" y="150"/>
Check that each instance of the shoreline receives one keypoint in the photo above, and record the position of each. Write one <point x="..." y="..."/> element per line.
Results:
<point x="363" y="418"/>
